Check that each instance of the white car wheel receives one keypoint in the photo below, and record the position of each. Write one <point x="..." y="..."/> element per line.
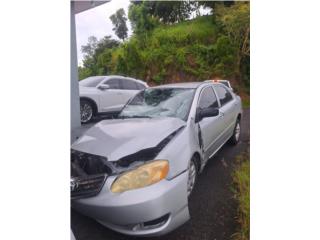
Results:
<point x="86" y="111"/>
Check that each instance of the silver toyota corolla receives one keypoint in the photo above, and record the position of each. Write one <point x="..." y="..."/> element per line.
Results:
<point x="134" y="174"/>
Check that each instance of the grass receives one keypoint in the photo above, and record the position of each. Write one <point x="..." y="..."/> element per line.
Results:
<point x="193" y="50"/>
<point x="241" y="180"/>
<point x="179" y="52"/>
<point x="246" y="102"/>
<point x="201" y="29"/>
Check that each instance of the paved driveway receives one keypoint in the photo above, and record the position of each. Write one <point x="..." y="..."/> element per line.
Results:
<point x="212" y="207"/>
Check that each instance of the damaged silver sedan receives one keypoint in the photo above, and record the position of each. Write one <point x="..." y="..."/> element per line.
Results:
<point x="134" y="174"/>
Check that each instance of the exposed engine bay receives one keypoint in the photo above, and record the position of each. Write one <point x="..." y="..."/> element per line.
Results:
<point x="89" y="171"/>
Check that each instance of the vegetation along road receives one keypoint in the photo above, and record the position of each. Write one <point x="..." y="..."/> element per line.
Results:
<point x="167" y="47"/>
<point x="213" y="207"/>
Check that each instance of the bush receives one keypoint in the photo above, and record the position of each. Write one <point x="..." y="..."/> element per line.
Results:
<point x="191" y="50"/>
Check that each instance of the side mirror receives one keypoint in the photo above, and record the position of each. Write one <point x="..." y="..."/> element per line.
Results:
<point x="104" y="86"/>
<point x="207" y="112"/>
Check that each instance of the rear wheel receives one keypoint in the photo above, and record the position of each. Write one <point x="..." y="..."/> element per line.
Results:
<point x="86" y="111"/>
<point x="236" y="133"/>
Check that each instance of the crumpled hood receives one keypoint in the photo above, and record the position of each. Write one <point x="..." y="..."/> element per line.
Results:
<point x="117" y="138"/>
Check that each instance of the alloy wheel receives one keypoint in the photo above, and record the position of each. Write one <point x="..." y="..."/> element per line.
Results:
<point x="86" y="112"/>
<point x="192" y="176"/>
<point x="237" y="132"/>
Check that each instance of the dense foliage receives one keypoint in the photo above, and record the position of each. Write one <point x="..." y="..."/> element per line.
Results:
<point x="96" y="55"/>
<point x="169" y="11"/>
<point x="165" y="47"/>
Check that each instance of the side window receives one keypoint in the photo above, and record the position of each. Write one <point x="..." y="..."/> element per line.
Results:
<point x="208" y="99"/>
<point x="224" y="95"/>
<point x="140" y="86"/>
<point x="128" y="84"/>
<point x="113" y="83"/>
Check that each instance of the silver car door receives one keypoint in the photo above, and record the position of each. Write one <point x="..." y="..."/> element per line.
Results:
<point x="210" y="128"/>
<point x="111" y="99"/>
<point x="227" y="109"/>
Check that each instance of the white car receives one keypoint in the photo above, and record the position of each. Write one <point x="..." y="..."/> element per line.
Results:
<point x="106" y="94"/>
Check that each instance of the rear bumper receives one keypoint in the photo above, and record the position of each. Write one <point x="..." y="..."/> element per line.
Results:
<point x="150" y="211"/>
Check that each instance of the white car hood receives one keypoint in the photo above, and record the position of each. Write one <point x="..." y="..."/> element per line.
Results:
<point x="115" y="139"/>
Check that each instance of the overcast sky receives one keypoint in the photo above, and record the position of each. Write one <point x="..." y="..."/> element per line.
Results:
<point x="96" y="22"/>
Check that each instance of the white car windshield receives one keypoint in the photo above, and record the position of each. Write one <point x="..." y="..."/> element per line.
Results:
<point x="91" y="81"/>
<point x="160" y="102"/>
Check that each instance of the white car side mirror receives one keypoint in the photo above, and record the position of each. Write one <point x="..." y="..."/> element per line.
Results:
<point x="104" y="86"/>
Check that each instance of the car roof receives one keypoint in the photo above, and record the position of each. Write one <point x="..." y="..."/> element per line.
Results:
<point x="116" y="76"/>
<point x="123" y="77"/>
<point x="181" y="85"/>
<point x="186" y="85"/>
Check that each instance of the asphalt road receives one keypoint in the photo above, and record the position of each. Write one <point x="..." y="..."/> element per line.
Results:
<point x="212" y="206"/>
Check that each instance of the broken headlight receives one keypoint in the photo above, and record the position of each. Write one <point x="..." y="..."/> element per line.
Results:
<point x="142" y="176"/>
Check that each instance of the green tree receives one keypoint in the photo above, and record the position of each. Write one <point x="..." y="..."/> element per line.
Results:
<point x="161" y="51"/>
<point x="235" y="22"/>
<point x="144" y="14"/>
<point x="96" y="54"/>
<point x="213" y="4"/>
<point x="89" y="48"/>
<point x="119" y="20"/>
<point x="105" y="42"/>
<point x="171" y="12"/>
<point x="140" y="19"/>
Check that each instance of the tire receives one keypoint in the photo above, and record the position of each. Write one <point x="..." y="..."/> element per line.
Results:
<point x="192" y="176"/>
<point x="235" y="138"/>
<point x="86" y="111"/>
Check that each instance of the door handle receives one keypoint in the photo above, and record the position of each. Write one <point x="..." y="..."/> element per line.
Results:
<point x="221" y="114"/>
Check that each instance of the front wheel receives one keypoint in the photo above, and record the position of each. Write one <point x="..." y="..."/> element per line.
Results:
<point x="236" y="133"/>
<point x="192" y="176"/>
<point x="86" y="111"/>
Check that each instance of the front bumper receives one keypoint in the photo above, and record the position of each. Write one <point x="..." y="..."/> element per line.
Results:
<point x="150" y="211"/>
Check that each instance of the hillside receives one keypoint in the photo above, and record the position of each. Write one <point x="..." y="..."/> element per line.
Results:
<point x="192" y="50"/>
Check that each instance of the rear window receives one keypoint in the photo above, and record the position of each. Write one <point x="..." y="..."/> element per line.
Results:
<point x="140" y="86"/>
<point x="129" y="85"/>
<point x="223" y="94"/>
<point x="91" y="81"/>
<point x="225" y="83"/>
<point x="114" y="83"/>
